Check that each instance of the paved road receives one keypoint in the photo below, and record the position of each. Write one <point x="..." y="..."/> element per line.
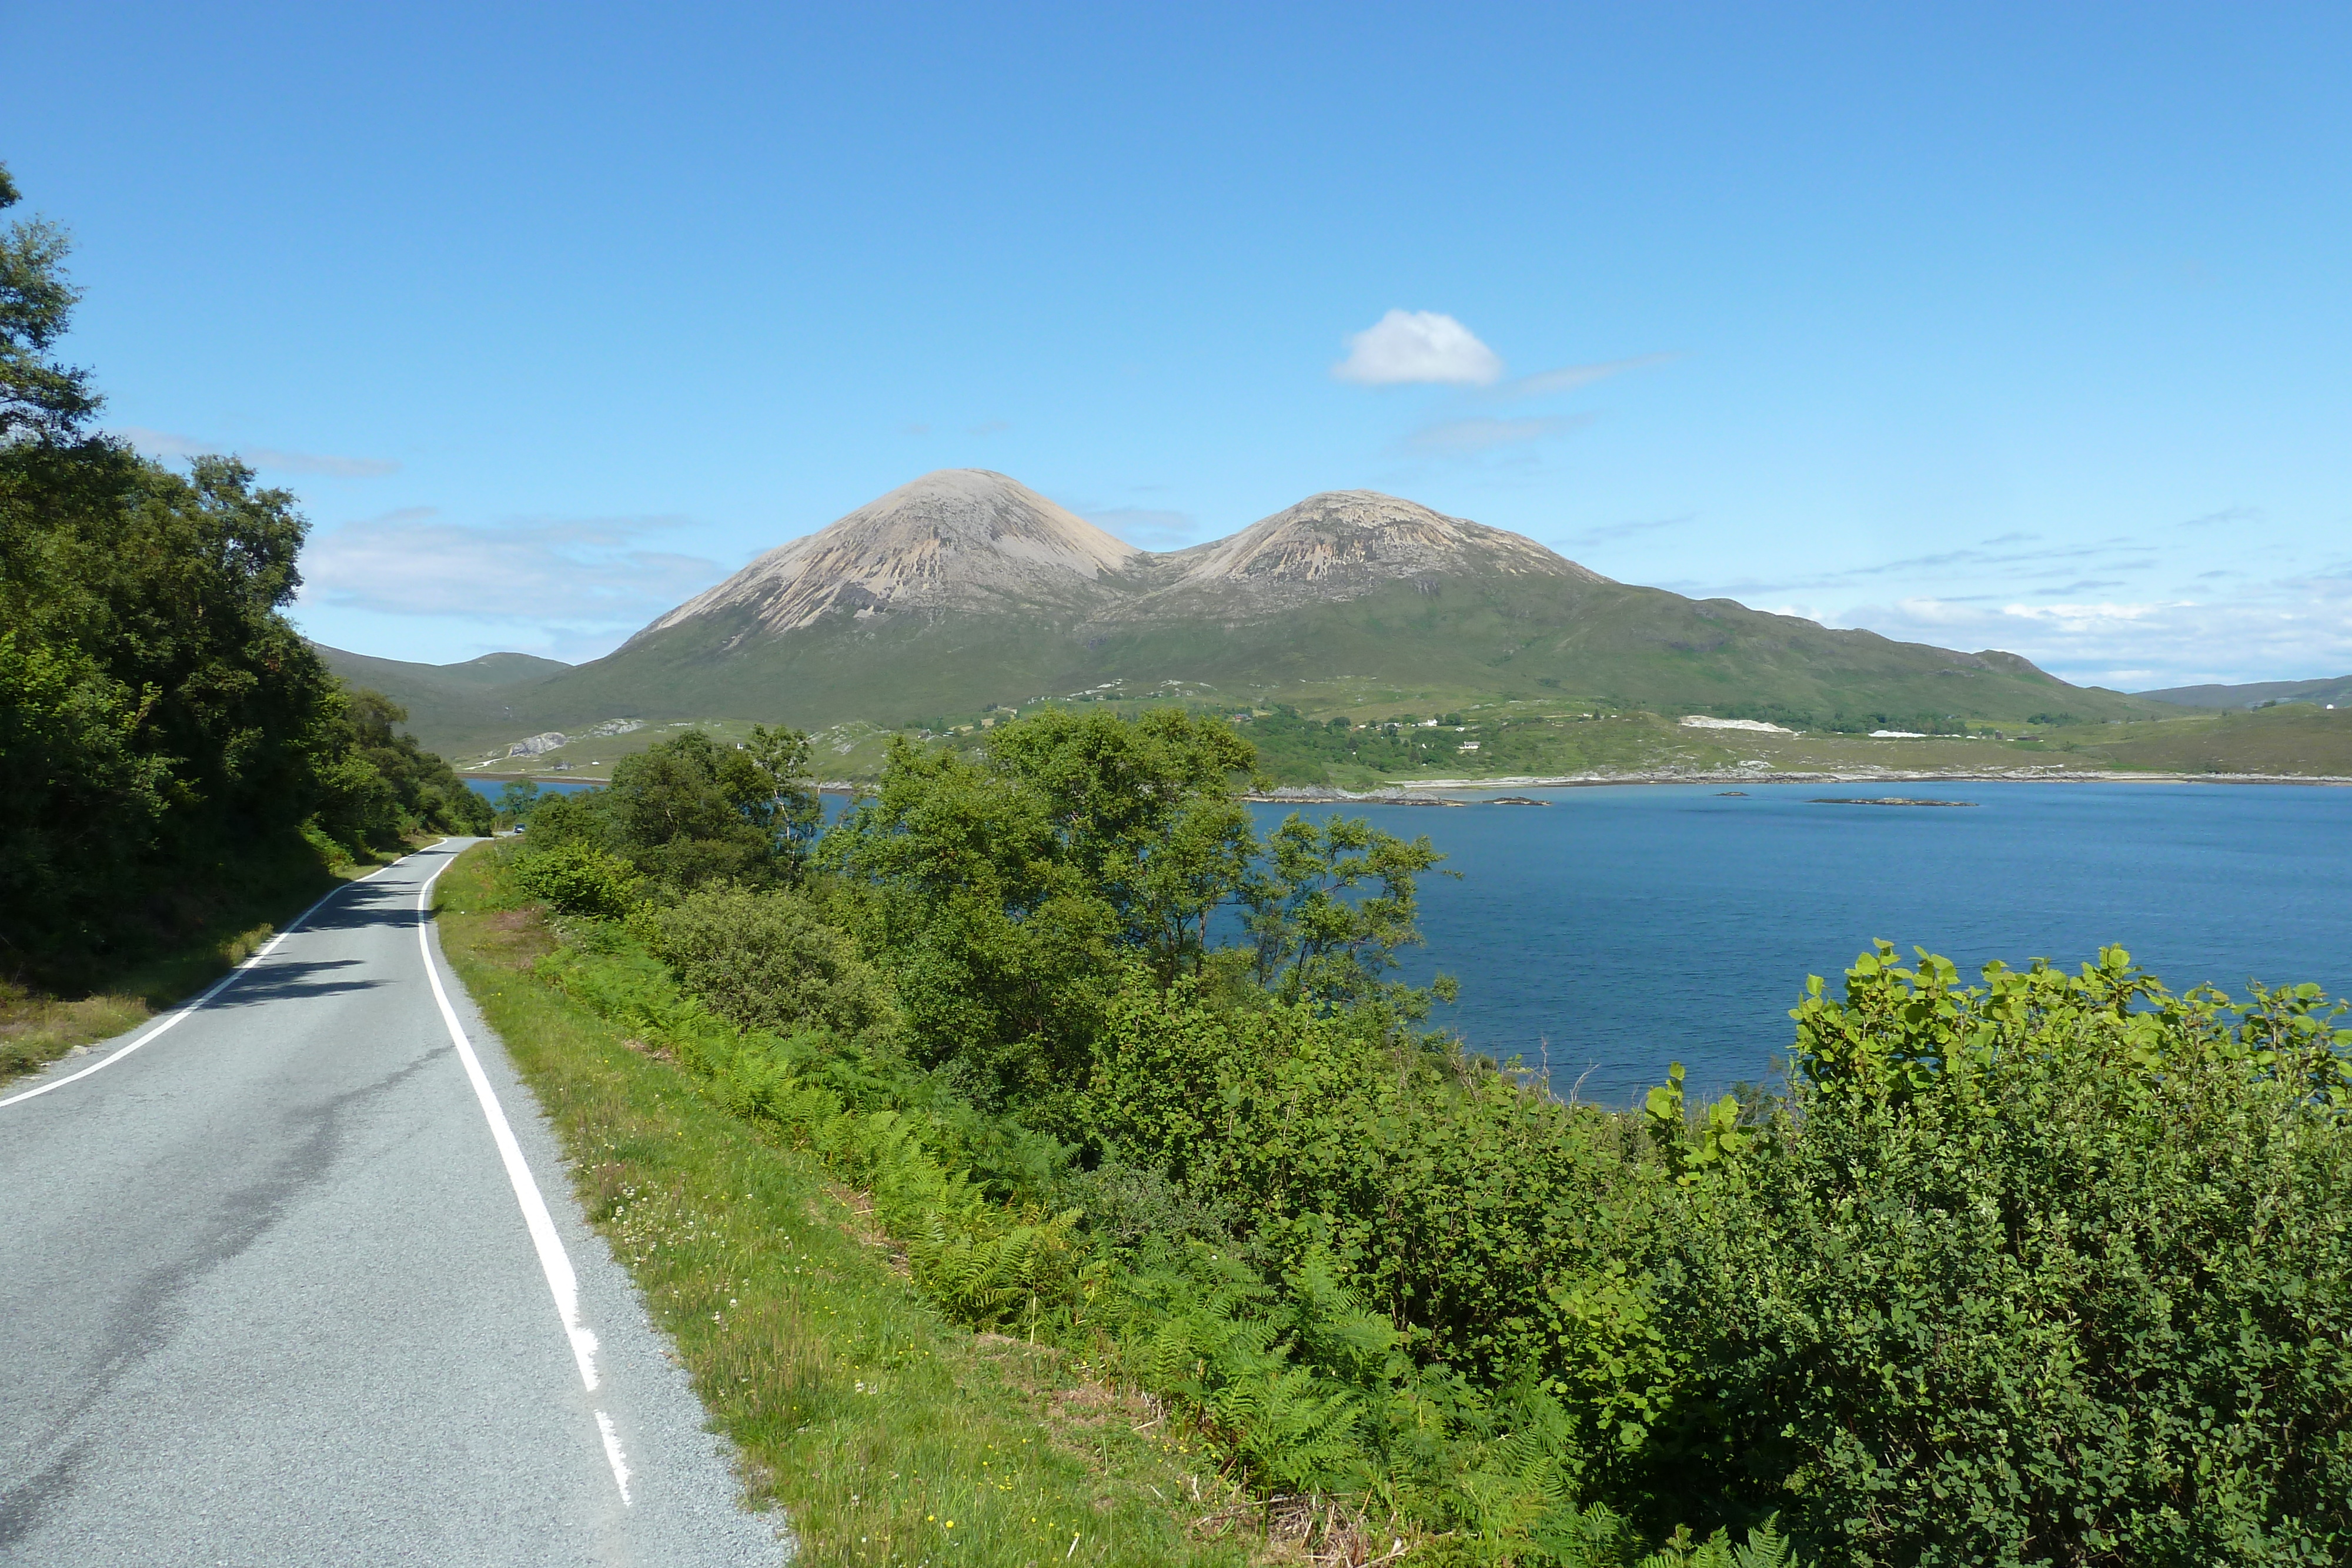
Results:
<point x="271" y="1292"/>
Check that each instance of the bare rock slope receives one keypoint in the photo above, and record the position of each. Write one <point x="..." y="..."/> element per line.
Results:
<point x="1342" y="544"/>
<point x="960" y="539"/>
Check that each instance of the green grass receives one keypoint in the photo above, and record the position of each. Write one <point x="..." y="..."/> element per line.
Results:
<point x="211" y="931"/>
<point x="2291" y="738"/>
<point x="887" y="1434"/>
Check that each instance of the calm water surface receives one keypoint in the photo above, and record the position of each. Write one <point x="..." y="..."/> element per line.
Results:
<point x="1622" y="928"/>
<point x="491" y="789"/>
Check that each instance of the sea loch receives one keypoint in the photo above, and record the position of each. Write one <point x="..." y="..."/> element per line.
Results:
<point x="1620" y="928"/>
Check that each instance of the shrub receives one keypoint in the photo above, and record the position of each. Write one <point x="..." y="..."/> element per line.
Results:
<point x="2055" y="1269"/>
<point x="579" y="878"/>
<point x="765" y="960"/>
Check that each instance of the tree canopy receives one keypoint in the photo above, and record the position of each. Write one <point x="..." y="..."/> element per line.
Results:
<point x="158" y="713"/>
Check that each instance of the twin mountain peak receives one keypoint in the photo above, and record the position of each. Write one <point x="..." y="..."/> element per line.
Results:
<point x="966" y="590"/>
<point x="969" y="539"/>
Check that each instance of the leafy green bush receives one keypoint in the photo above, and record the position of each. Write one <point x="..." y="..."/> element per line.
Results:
<point x="2052" y="1269"/>
<point x="579" y="878"/>
<point x="765" y="960"/>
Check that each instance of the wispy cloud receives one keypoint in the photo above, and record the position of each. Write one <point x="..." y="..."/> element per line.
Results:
<point x="537" y="571"/>
<point x="268" y="459"/>
<point x="1610" y="533"/>
<point x="1427" y="347"/>
<point x="2108" y="555"/>
<point x="1567" y="377"/>
<point x="2226" y="515"/>
<point x="988" y="427"/>
<point x="1469" y="437"/>
<point x="2080" y="585"/>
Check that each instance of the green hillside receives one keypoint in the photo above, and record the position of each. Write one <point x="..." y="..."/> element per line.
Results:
<point x="2292" y="738"/>
<point x="1502" y="640"/>
<point x="455" y="709"/>
<point x="2336" y="690"/>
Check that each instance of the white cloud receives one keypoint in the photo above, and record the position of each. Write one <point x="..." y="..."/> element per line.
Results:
<point x="2297" y="628"/>
<point x="539" y="573"/>
<point x="1468" y="437"/>
<point x="2081" y="619"/>
<point x="1567" y="377"/>
<point x="1424" y="346"/>
<point x="268" y="459"/>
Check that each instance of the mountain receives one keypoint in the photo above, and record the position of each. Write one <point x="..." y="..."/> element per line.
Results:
<point x="960" y="540"/>
<point x="2337" y="691"/>
<point x="965" y="589"/>
<point x="453" y="708"/>
<point x="1342" y="545"/>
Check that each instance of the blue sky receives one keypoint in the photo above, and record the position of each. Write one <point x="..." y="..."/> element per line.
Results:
<point x="2012" y="327"/>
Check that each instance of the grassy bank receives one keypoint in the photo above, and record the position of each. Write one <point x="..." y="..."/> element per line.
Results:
<point x="885" y="1433"/>
<point x="200" y="934"/>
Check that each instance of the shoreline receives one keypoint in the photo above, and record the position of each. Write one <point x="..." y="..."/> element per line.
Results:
<point x="1417" y="793"/>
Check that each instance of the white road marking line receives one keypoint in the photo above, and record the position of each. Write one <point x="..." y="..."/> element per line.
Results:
<point x="613" y="1453"/>
<point x="217" y="988"/>
<point x="553" y="1261"/>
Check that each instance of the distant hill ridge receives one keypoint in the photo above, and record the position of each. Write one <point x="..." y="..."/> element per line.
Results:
<point x="2337" y="690"/>
<point x="964" y="588"/>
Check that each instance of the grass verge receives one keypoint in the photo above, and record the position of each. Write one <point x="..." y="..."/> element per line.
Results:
<point x="220" y="929"/>
<point x="887" y="1434"/>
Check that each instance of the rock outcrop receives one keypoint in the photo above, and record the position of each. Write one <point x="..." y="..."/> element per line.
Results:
<point x="960" y="539"/>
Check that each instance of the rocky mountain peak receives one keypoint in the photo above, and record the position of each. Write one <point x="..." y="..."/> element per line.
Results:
<point x="1342" y="542"/>
<point x="954" y="538"/>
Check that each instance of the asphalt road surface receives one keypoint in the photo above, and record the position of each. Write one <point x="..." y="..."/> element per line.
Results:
<point x="299" y="1280"/>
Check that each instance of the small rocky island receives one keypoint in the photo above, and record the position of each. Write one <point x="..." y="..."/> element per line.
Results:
<point x="1883" y="800"/>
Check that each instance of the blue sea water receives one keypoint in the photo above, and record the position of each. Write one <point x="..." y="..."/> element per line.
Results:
<point x="1620" y="928"/>
<point x="491" y="789"/>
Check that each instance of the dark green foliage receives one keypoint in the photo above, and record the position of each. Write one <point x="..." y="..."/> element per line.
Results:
<point x="384" y="785"/>
<point x="691" y="811"/>
<point x="38" y="396"/>
<point x="161" y="715"/>
<point x="767" y="960"/>
<point x="577" y="877"/>
<point x="2056" y="1268"/>
<point x="1314" y="943"/>
<point x="159" y="719"/>
<point x="515" y="802"/>
<point x="1003" y="956"/>
<point x="585" y="817"/>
